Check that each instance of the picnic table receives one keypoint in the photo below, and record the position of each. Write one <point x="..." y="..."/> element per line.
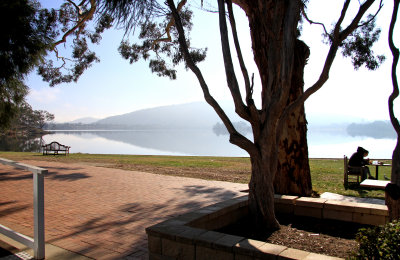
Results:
<point x="55" y="148"/>
<point x="377" y="165"/>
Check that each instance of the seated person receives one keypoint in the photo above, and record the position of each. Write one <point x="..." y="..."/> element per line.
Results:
<point x="357" y="160"/>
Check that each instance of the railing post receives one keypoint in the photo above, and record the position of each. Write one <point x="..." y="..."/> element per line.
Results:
<point x="38" y="243"/>
<point x="38" y="206"/>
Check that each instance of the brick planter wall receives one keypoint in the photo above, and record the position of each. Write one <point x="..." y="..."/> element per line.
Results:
<point x="190" y="236"/>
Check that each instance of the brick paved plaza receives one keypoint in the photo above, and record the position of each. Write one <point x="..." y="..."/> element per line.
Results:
<point x="101" y="212"/>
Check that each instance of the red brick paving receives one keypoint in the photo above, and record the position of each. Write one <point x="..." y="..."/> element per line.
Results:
<point x="100" y="212"/>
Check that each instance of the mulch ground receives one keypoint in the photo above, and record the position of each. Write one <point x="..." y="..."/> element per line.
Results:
<point x="327" y="237"/>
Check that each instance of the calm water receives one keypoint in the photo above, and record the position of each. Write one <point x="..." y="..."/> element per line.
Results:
<point x="207" y="143"/>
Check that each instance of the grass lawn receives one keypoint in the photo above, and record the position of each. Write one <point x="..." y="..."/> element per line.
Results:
<point x="326" y="174"/>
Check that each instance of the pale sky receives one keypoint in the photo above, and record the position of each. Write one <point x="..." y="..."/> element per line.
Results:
<point x="114" y="87"/>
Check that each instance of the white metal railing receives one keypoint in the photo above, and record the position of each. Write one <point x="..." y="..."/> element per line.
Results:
<point x="37" y="243"/>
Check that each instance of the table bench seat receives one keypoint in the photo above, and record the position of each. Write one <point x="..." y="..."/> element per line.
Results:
<point x="376" y="184"/>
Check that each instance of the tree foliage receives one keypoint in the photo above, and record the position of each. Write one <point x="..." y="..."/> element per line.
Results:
<point x="159" y="44"/>
<point x="358" y="46"/>
<point x="73" y="21"/>
<point x="28" y="121"/>
<point x="27" y="32"/>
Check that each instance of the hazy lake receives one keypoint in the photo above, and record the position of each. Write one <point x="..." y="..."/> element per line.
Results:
<point x="322" y="144"/>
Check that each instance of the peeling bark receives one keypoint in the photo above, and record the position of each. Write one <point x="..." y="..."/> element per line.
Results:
<point x="293" y="174"/>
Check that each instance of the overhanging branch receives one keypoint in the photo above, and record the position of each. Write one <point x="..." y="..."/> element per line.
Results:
<point x="169" y="26"/>
<point x="83" y="18"/>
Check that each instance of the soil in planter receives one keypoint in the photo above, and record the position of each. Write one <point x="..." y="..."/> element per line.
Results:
<point x="321" y="236"/>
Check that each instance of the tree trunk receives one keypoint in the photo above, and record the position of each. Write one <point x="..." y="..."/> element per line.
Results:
<point x="273" y="26"/>
<point x="293" y="174"/>
<point x="261" y="193"/>
<point x="392" y="190"/>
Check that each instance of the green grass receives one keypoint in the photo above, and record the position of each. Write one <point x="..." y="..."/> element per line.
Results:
<point x="326" y="174"/>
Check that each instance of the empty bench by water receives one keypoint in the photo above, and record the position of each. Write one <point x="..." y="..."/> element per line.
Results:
<point x="55" y="148"/>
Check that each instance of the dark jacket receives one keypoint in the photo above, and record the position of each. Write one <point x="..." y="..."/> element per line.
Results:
<point x="357" y="159"/>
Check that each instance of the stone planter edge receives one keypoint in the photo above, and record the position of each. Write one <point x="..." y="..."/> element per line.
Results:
<point x="190" y="236"/>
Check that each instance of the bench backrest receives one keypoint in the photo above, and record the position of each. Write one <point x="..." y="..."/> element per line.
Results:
<point x="55" y="146"/>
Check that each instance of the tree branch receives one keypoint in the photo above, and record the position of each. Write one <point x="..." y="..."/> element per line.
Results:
<point x="169" y="25"/>
<point x="312" y="22"/>
<point x="77" y="7"/>
<point x="373" y="17"/>
<point x="235" y="137"/>
<point x="232" y="82"/>
<point x="238" y="50"/>
<point x="249" y="86"/>
<point x="87" y="16"/>
<point x="354" y="24"/>
<point x="336" y="30"/>
<point x="395" y="53"/>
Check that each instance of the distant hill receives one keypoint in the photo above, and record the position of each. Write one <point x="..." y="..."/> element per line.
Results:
<point x="85" y="120"/>
<point x="185" y="116"/>
<point x="200" y="115"/>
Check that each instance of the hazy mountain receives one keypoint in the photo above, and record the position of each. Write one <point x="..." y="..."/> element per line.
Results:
<point x="184" y="116"/>
<point x="200" y="115"/>
<point x="84" y="120"/>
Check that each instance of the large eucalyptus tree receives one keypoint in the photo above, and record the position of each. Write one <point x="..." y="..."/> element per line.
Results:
<point x="279" y="146"/>
<point x="279" y="56"/>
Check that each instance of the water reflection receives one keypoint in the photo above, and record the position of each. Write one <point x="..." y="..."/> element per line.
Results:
<point x="204" y="142"/>
<point x="21" y="143"/>
<point x="175" y="142"/>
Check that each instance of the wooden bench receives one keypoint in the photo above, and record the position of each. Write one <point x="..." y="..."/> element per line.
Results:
<point x="55" y="148"/>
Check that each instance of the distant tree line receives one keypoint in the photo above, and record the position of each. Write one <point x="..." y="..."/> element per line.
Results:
<point x="27" y="121"/>
<point x="92" y="126"/>
<point x="242" y="127"/>
<point x="98" y="126"/>
<point x="376" y="129"/>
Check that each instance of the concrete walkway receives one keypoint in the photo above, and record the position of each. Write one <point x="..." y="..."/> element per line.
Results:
<point x="102" y="213"/>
